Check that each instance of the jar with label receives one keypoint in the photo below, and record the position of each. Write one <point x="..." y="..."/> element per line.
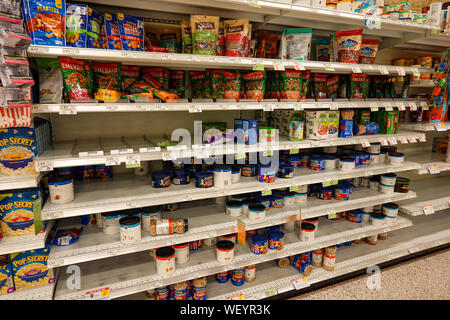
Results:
<point x="289" y="198"/>
<point x="130" y="230"/>
<point x="147" y="214"/>
<point x="301" y="198"/>
<point x="266" y="173"/>
<point x="346" y="163"/>
<point x="225" y="251"/>
<point x="402" y="185"/>
<point x="307" y="232"/>
<point x="250" y="273"/>
<point x="301" y="265"/>
<point x="234" y="208"/>
<point x="248" y="170"/>
<point x="61" y="189"/>
<point x="328" y="261"/>
<point x="385" y="189"/>
<point x="317" y="163"/>
<point x="316" y="258"/>
<point x="283" y="262"/>
<point x="372" y="240"/>
<point x="259" y="244"/>
<point x="238" y="276"/>
<point x="377" y="218"/>
<point x="314" y="221"/>
<point x="204" y="179"/>
<point x="276" y="200"/>
<point x="388" y="179"/>
<point x="256" y="212"/>
<point x="181" y="253"/>
<point x="390" y="209"/>
<point x="181" y="176"/>
<point x="162" y="293"/>
<point x="235" y="174"/>
<point x="199" y="289"/>
<point x="276" y="240"/>
<point x="168" y="226"/>
<point x="222" y="176"/>
<point x="98" y="220"/>
<point x="396" y="158"/>
<point x="180" y="290"/>
<point x="165" y="261"/>
<point x="111" y="222"/>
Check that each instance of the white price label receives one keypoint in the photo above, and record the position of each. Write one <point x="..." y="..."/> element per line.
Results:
<point x="334" y="106"/>
<point x="373" y="108"/>
<point x="298" y="107"/>
<point x="401" y="71"/>
<point x="433" y="168"/>
<point x="403" y="140"/>
<point x="422" y="139"/>
<point x="195" y="108"/>
<point x="329" y="68"/>
<point x="158" y="107"/>
<point x="383" y="70"/>
<point x="383" y="142"/>
<point x="98" y="294"/>
<point x="57" y="263"/>
<point x="388" y="107"/>
<point x="111" y="108"/>
<point x="168" y="156"/>
<point x="401" y="106"/>
<point x="440" y="126"/>
<point x="42" y="166"/>
<point x="300" y="282"/>
<point x="143" y="107"/>
<point x="365" y="144"/>
<point x="112" y="161"/>
<point x="268" y="107"/>
<point x="133" y="161"/>
<point x="67" y="109"/>
<point x="278" y="66"/>
<point x="299" y="66"/>
<point x="356" y="70"/>
<point x="392" y="141"/>
<point x="412" y="140"/>
<point x="428" y="209"/>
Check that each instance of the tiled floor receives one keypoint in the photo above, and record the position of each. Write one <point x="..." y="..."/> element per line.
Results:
<point x="423" y="278"/>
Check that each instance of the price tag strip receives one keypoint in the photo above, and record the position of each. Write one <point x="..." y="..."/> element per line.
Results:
<point x="300" y="282"/>
<point x="433" y="168"/>
<point x="98" y="294"/>
<point x="427" y="210"/>
<point x="133" y="161"/>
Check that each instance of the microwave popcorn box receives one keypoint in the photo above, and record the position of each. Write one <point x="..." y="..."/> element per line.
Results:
<point x="16" y="212"/>
<point x="18" y="150"/>
<point x="249" y="131"/>
<point x="30" y="268"/>
<point x="6" y="275"/>
<point x="76" y="25"/>
<point x="95" y="22"/>
<point x="45" y="21"/>
<point x="317" y="124"/>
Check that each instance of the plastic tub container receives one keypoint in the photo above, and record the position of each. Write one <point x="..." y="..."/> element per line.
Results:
<point x="286" y="171"/>
<point x="160" y="179"/>
<point x="250" y="273"/>
<point x="365" y="216"/>
<point x="181" y="177"/>
<point x="396" y="158"/>
<point x="346" y="164"/>
<point x="317" y="163"/>
<point x="386" y="189"/>
<point x="259" y="244"/>
<point x="314" y="221"/>
<point x="235" y="174"/>
<point x="330" y="163"/>
<point x="130" y="230"/>
<point x="248" y="170"/>
<point x="204" y="179"/>
<point x="229" y="237"/>
<point x="390" y="209"/>
<point x="195" y="245"/>
<point x="225" y="251"/>
<point x="325" y="193"/>
<point x="234" y="208"/>
<point x="111" y="222"/>
<point x="289" y="226"/>
<point x="276" y="201"/>
<point x="317" y="257"/>
<point x="383" y="157"/>
<point x="390" y="219"/>
<point x="355" y="216"/>
<point x="289" y="199"/>
<point x="256" y="212"/>
<point x="165" y="261"/>
<point x="131" y="213"/>
<point x="307" y="232"/>
<point x="61" y="189"/>
<point x="266" y="173"/>
<point x="375" y="147"/>
<point x="373" y="184"/>
<point x="265" y="201"/>
<point x="276" y="240"/>
<point x="388" y="179"/>
<point x="301" y="198"/>
<point x="304" y="267"/>
<point x="294" y="160"/>
<point x="401" y="185"/>
<point x="364" y="159"/>
<point x="329" y="262"/>
<point x="181" y="253"/>
<point x="342" y="192"/>
<point x="374" y="158"/>
<point x="377" y="218"/>
<point x="222" y="176"/>
<point x="147" y="214"/>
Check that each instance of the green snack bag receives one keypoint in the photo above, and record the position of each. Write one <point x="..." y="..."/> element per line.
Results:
<point x="362" y="116"/>
<point x="177" y="83"/>
<point x="186" y="37"/>
<point x="197" y="79"/>
<point x="207" y="86"/>
<point x="204" y="34"/>
<point x="333" y="87"/>
<point x="231" y="85"/>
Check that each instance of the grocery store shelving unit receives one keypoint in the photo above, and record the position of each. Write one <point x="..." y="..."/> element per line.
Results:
<point x="434" y="192"/>
<point x="23" y="243"/>
<point x="37" y="293"/>
<point x="428" y="160"/>
<point x="19" y="182"/>
<point x="209" y="221"/>
<point x="137" y="272"/>
<point x="426" y="127"/>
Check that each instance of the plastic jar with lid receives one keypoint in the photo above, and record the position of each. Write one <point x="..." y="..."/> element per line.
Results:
<point x="204" y="179"/>
<point x="229" y="237"/>
<point x="111" y="222"/>
<point x="130" y="213"/>
<point x="388" y="179"/>
<point x="259" y="244"/>
<point x="238" y="276"/>
<point x="222" y="176"/>
<point x="377" y="218"/>
<point x="390" y="209"/>
<point x="181" y="253"/>
<point x="223" y="277"/>
<point x="61" y="189"/>
<point x="199" y="289"/>
<point x="250" y="273"/>
<point x="165" y="261"/>
<point x="317" y="257"/>
<point x="160" y="179"/>
<point x="265" y="201"/>
<point x="328" y="262"/>
<point x="396" y="158"/>
<point x="168" y="226"/>
<point x="402" y="185"/>
<point x="256" y="212"/>
<point x="276" y="200"/>
<point x="330" y="163"/>
<point x="98" y="220"/>
<point x="286" y="171"/>
<point x="266" y="173"/>
<point x="346" y="163"/>
<point x="234" y="208"/>
<point x="180" y="290"/>
<point x="301" y="198"/>
<point x="225" y="251"/>
<point x="307" y="232"/>
<point x="317" y="163"/>
<point x="181" y="176"/>
<point x="383" y="157"/>
<point x="147" y="214"/>
<point x="314" y="221"/>
<point x="248" y="170"/>
<point x="276" y="240"/>
<point x="385" y="189"/>
<point x="235" y="174"/>
<point x="289" y="198"/>
<point x="130" y="230"/>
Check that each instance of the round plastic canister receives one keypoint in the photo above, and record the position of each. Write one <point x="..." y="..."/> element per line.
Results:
<point x="130" y="213"/>
<point x="204" y="179"/>
<point x="377" y="218"/>
<point x="276" y="201"/>
<point x="276" y="240"/>
<point x="160" y="179"/>
<point x="165" y="261"/>
<point x="364" y="159"/>
<point x="289" y="199"/>
<point x="328" y="262"/>
<point x="372" y="239"/>
<point x="130" y="230"/>
<point x="355" y="157"/>
<point x="314" y="221"/>
<point x="325" y="193"/>
<point x="260" y="244"/>
<point x="181" y="253"/>
<point x="195" y="245"/>
<point x="250" y="273"/>
<point x="286" y="171"/>
<point x="256" y="212"/>
<point x="265" y="201"/>
<point x="396" y="158"/>
<point x="317" y="257"/>
<point x="317" y="163"/>
<point x="245" y="205"/>
<point x="222" y="176"/>
<point x="234" y="208"/>
<point x="302" y="189"/>
<point x="181" y="176"/>
<point x="386" y="189"/>
<point x="199" y="289"/>
<point x="111" y="222"/>
<point x="342" y="192"/>
<point x="301" y="265"/>
<point x="390" y="209"/>
<point x="235" y="174"/>
<point x="248" y="170"/>
<point x="402" y="185"/>
<point x="301" y="198"/>
<point x="180" y="290"/>
<point x="375" y="147"/>
<point x="307" y="232"/>
<point x="357" y="182"/>
<point x="229" y="237"/>
<point x="147" y="214"/>
<point x="355" y="216"/>
<point x="346" y="164"/>
<point x="225" y="251"/>
<point x="388" y="179"/>
<point x="162" y="293"/>
<point x="365" y="216"/>
<point x="222" y="277"/>
<point x="330" y="163"/>
<point x="238" y="276"/>
<point x="61" y="189"/>
<point x="383" y="156"/>
<point x="266" y="173"/>
<point x="294" y="160"/>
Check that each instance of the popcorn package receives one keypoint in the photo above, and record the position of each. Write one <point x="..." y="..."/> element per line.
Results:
<point x="17" y="151"/>
<point x="6" y="278"/>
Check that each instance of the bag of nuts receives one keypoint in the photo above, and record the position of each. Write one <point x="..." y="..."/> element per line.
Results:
<point x="349" y="45"/>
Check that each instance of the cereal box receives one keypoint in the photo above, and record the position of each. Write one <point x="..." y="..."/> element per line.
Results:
<point x="45" y="21"/>
<point x="30" y="268"/>
<point x="6" y="276"/>
<point x="112" y="32"/>
<point x="94" y="29"/>
<point x="76" y="25"/>
<point x="131" y="31"/>
<point x="17" y="151"/>
<point x="16" y="212"/>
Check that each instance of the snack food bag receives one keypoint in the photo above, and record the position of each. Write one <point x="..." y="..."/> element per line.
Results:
<point x="186" y="37"/>
<point x="320" y="86"/>
<point x="112" y="32"/>
<point x="323" y="50"/>
<point x="349" y="45"/>
<point x="131" y="31"/>
<point x="130" y="75"/>
<point x="204" y="34"/>
<point x="232" y="85"/>
<point x="255" y="85"/>
<point x="50" y="80"/>
<point x="76" y="25"/>
<point x="333" y="87"/>
<point x="95" y="23"/>
<point x="236" y="37"/>
<point x="75" y="81"/>
<point x="221" y="45"/>
<point x="197" y="79"/>
<point x="369" y="50"/>
<point x="292" y="84"/>
<point x="296" y="44"/>
<point x="107" y="78"/>
<point x="177" y="83"/>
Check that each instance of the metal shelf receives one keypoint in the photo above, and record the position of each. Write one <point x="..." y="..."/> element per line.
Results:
<point x="207" y="222"/>
<point x="72" y="154"/>
<point x="20" y="181"/>
<point x="433" y="192"/>
<point x="128" y="191"/>
<point x="427" y="158"/>
<point x="24" y="243"/>
<point x="137" y="272"/>
<point x="424" y="127"/>
<point x="44" y="292"/>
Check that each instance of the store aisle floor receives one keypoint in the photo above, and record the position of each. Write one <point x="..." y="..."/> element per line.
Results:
<point x="422" y="278"/>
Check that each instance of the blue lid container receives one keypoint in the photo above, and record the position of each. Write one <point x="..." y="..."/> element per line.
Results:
<point x="181" y="176"/>
<point x="286" y="171"/>
<point x="248" y="170"/>
<point x="277" y="201"/>
<point x="204" y="179"/>
<point x="260" y="244"/>
<point x="160" y="179"/>
<point x="276" y="240"/>
<point x="325" y="193"/>
<point x="265" y="201"/>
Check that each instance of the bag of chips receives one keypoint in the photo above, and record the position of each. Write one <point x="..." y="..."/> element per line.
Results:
<point x="320" y="86"/>
<point x="221" y="45"/>
<point x="217" y="83"/>
<point x="107" y="76"/>
<point x="306" y="79"/>
<point x="159" y="74"/>
<point x="292" y="84"/>
<point x="349" y="45"/>
<point x="358" y="86"/>
<point x="333" y="87"/>
<point x="232" y="85"/>
<point x="323" y="50"/>
<point x="236" y="37"/>
<point x="75" y="81"/>
<point x="255" y="85"/>
<point x="130" y="75"/>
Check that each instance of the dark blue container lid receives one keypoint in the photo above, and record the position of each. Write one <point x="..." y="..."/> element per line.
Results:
<point x="259" y="238"/>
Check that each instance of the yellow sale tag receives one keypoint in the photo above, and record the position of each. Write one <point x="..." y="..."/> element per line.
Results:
<point x="293" y="188"/>
<point x="241" y="233"/>
<point x="294" y="151"/>
<point x="266" y="192"/>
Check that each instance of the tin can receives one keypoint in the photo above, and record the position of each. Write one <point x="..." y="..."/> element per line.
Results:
<point x="317" y="163"/>
<point x="250" y="273"/>
<point x="222" y="277"/>
<point x="276" y="201"/>
<point x="342" y="192"/>
<point x="302" y="266"/>
<point x="204" y="179"/>
<point x="238" y="277"/>
<point x="286" y="171"/>
<point x="325" y="193"/>
<point x="355" y="216"/>
<point x="162" y="293"/>
<point x="260" y="244"/>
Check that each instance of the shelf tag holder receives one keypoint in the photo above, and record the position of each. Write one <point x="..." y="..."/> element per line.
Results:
<point x="328" y="183"/>
<point x="271" y="292"/>
<point x="373" y="108"/>
<point x="278" y="66"/>
<point x="68" y="109"/>
<point x="392" y="141"/>
<point x="112" y="161"/>
<point x="365" y="143"/>
<point x="266" y="192"/>
<point x="299" y="66"/>
<point x="98" y="294"/>
<point x="427" y="210"/>
<point x="422" y="139"/>
<point x="433" y="168"/>
<point x="294" y="151"/>
<point x="300" y="282"/>
<point x="258" y="67"/>
<point x="440" y="126"/>
<point x="383" y="142"/>
<point x="133" y="161"/>
<point x="403" y="140"/>
<point x="293" y="188"/>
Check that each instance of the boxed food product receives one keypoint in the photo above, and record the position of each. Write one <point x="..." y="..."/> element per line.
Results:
<point x="333" y="123"/>
<point x="95" y="23"/>
<point x="30" y="268"/>
<point x="6" y="276"/>
<point x="16" y="212"/>
<point x="45" y="21"/>
<point x="131" y="31"/>
<point x="248" y="131"/>
<point x="76" y="25"/>
<point x="204" y="34"/>
<point x="112" y="32"/>
<point x="317" y="124"/>
<point x="50" y="80"/>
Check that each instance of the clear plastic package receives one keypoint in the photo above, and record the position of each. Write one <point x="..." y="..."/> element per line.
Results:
<point x="10" y="6"/>
<point x="10" y="51"/>
<point x="14" y="39"/>
<point x="14" y="97"/>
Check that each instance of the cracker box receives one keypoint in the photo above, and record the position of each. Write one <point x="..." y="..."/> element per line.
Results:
<point x="30" y="268"/>
<point x="112" y="32"/>
<point x="76" y="25"/>
<point x="131" y="31"/>
<point x="6" y="276"/>
<point x="18" y="149"/>
<point x="16" y="212"/>
<point x="95" y="23"/>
